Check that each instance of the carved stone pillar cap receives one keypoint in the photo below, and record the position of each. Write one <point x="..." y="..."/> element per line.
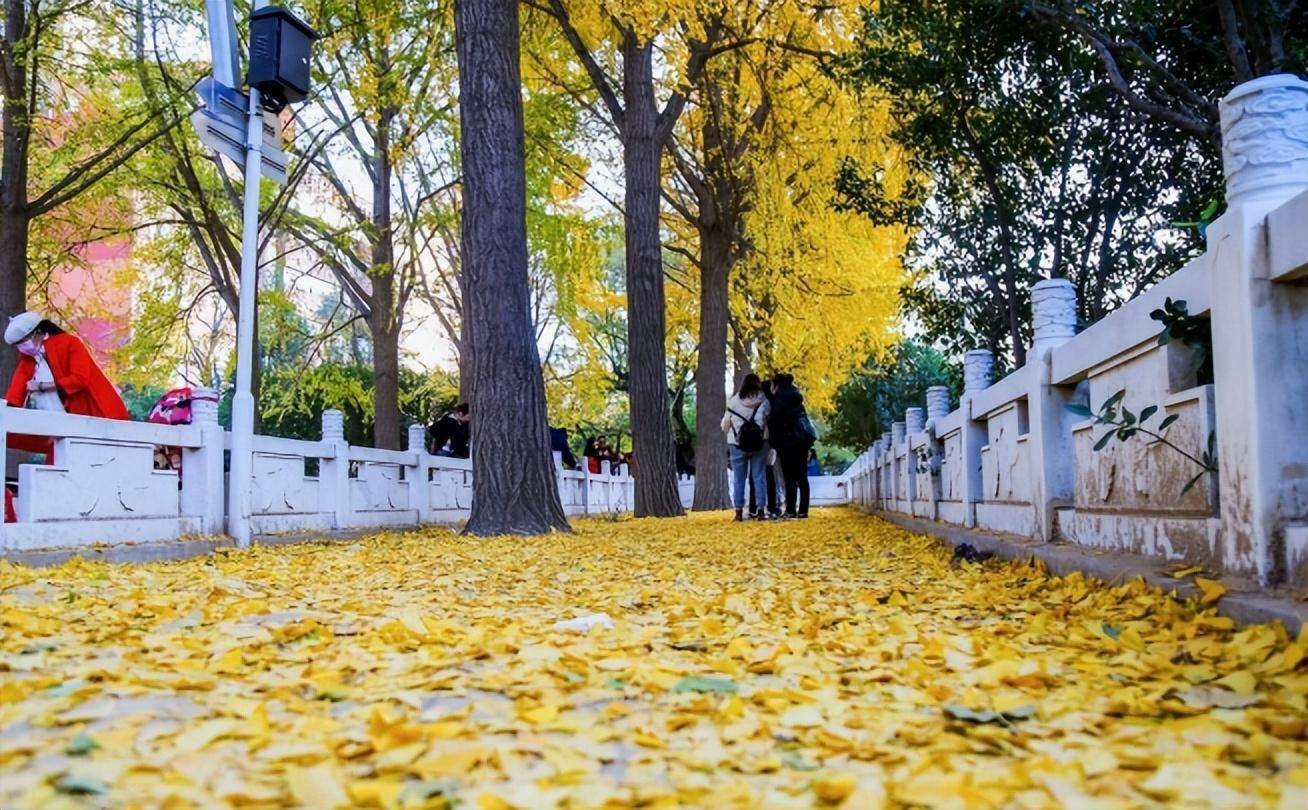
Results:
<point x="914" y="420"/>
<point x="1265" y="138"/>
<point x="204" y="406"/>
<point x="1053" y="310"/>
<point x="937" y="401"/>
<point x="333" y="424"/>
<point x="417" y="438"/>
<point x="977" y="366"/>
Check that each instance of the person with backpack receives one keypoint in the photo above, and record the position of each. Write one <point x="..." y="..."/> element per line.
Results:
<point x="745" y="423"/>
<point x="792" y="435"/>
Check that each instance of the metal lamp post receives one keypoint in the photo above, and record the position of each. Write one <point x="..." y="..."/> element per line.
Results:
<point x="279" y="64"/>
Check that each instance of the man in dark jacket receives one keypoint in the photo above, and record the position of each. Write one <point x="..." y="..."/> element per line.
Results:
<point x="559" y="444"/>
<point x="789" y="435"/>
<point x="452" y="430"/>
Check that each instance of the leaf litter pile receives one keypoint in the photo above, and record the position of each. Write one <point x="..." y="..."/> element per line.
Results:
<point x="838" y="661"/>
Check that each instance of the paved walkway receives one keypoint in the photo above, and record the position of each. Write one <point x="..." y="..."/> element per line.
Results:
<point x="839" y="660"/>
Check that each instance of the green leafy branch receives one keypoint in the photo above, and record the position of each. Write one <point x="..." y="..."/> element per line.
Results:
<point x="1192" y="331"/>
<point x="1124" y="424"/>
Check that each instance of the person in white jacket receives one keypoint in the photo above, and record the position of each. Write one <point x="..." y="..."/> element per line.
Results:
<point x="745" y="424"/>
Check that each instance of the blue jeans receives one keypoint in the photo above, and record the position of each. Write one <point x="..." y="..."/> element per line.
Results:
<point x="742" y="464"/>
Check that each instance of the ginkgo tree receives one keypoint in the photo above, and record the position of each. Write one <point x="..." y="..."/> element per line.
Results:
<point x="384" y="71"/>
<point x="615" y="41"/>
<point x="802" y="286"/>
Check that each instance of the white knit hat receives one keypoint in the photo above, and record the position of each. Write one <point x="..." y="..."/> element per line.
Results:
<point x="20" y="326"/>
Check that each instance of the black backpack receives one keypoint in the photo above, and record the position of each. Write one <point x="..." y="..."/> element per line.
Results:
<point x="749" y="438"/>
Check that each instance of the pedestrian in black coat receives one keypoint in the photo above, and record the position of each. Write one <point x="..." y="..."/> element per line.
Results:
<point x="788" y="428"/>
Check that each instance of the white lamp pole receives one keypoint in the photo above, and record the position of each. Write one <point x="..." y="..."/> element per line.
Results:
<point x="238" y="487"/>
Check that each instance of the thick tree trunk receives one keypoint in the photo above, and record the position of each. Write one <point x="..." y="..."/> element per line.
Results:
<point x="651" y="422"/>
<point x="711" y="372"/>
<point x="15" y="217"/>
<point x="514" y="487"/>
<point x="383" y="322"/>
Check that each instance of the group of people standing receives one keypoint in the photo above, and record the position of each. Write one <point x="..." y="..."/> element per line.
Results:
<point x="598" y="449"/>
<point x="766" y="426"/>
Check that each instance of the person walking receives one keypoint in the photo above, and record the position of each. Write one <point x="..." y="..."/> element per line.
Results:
<point x="745" y="423"/>
<point x="791" y="433"/>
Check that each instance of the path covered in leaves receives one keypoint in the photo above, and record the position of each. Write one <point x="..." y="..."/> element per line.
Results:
<point x="833" y="662"/>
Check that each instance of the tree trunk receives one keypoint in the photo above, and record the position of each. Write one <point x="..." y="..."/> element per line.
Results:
<point x="711" y="371"/>
<point x="15" y="133"/>
<point x="383" y="322"/>
<point x="13" y="279"/>
<point x="651" y="422"/>
<point x="386" y="381"/>
<point x="514" y="486"/>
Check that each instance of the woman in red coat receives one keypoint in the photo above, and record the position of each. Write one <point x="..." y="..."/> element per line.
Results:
<point x="57" y="373"/>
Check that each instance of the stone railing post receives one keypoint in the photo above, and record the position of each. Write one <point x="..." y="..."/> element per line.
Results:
<point x="886" y="469"/>
<point x="204" y="490"/>
<point x="420" y="482"/>
<point x="899" y="444"/>
<point x="1260" y="335"/>
<point x="1052" y="458"/>
<point x="914" y="421"/>
<point x="334" y="472"/>
<point x="914" y="425"/>
<point x="978" y="365"/>
<point x="1053" y="314"/>
<point x="937" y="402"/>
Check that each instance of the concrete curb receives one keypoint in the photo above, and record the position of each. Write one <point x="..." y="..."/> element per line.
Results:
<point x="128" y="553"/>
<point x="1243" y="602"/>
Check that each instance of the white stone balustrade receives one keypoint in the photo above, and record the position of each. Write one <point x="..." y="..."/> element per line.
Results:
<point x="1014" y="458"/>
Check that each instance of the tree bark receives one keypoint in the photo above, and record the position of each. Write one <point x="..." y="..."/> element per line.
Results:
<point x="651" y="423"/>
<point x="15" y="217"/>
<point x="711" y="371"/>
<point x="514" y="486"/>
<point x="382" y="321"/>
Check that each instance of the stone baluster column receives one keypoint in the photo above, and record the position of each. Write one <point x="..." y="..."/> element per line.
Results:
<point x="914" y="426"/>
<point x="1053" y="314"/>
<point x="334" y="472"/>
<point x="1260" y="331"/>
<point x="898" y="456"/>
<point x="937" y="402"/>
<point x="978" y="366"/>
<point x="204" y="486"/>
<point x="1049" y="446"/>
<point x="914" y="421"/>
<point x="420" y="479"/>
<point x="886" y="469"/>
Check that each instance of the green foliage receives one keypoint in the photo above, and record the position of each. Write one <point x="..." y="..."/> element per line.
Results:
<point x="878" y="393"/>
<point x="1195" y="332"/>
<point x="1037" y="167"/>
<point x="291" y="401"/>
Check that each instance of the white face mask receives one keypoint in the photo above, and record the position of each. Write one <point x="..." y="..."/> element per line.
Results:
<point x="28" y="346"/>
